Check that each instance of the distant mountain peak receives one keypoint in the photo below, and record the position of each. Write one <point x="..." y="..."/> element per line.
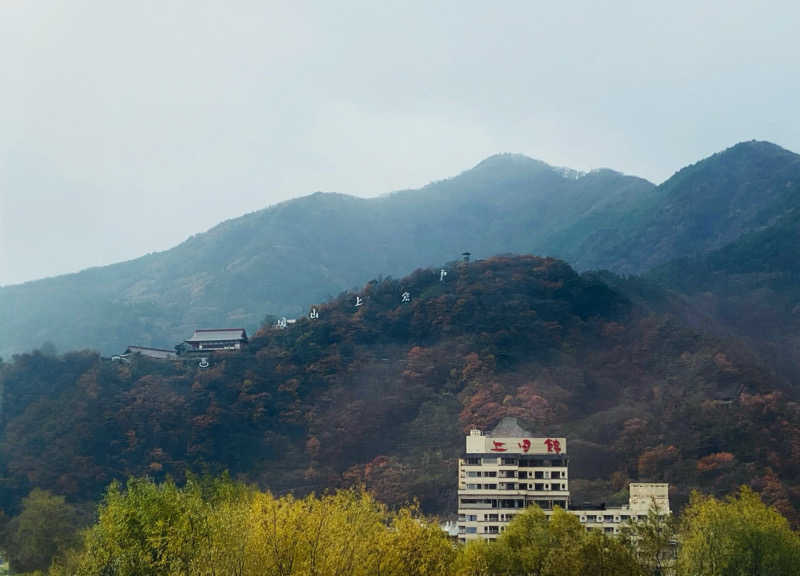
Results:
<point x="753" y="149"/>
<point x="508" y="160"/>
<point x="759" y="145"/>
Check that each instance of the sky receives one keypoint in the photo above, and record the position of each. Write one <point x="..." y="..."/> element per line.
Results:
<point x="126" y="127"/>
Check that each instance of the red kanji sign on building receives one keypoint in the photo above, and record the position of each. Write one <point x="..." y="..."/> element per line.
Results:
<point x="553" y="445"/>
<point x="499" y="446"/>
<point x="525" y="445"/>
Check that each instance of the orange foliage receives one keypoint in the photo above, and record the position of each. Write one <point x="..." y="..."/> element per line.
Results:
<point x="484" y="408"/>
<point x="715" y="462"/>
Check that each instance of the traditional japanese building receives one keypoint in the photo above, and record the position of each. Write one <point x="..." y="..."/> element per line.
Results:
<point x="506" y="470"/>
<point x="214" y="340"/>
<point x="158" y="353"/>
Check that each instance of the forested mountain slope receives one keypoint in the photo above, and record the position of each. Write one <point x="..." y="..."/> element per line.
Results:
<point x="750" y="288"/>
<point x="383" y="394"/>
<point x="278" y="260"/>
<point x="703" y="207"/>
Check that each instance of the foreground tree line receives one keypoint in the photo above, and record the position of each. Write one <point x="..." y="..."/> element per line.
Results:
<point x="218" y="527"/>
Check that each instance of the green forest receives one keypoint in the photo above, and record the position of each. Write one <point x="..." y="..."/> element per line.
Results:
<point x="213" y="525"/>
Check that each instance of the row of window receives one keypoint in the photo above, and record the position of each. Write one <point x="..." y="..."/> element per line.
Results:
<point x="512" y="486"/>
<point x="522" y="475"/>
<point x="474" y="530"/>
<point x="486" y="529"/>
<point x="492" y="503"/>
<point x="608" y="518"/>
<point x="521" y="462"/>
<point x="486" y="517"/>
<point x="495" y="529"/>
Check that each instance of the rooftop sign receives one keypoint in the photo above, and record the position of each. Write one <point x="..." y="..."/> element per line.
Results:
<point x="487" y="444"/>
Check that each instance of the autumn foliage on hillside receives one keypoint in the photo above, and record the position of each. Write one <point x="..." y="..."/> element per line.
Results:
<point x="381" y="394"/>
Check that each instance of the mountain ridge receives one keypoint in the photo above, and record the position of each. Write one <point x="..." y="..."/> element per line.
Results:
<point x="280" y="259"/>
<point x="320" y="236"/>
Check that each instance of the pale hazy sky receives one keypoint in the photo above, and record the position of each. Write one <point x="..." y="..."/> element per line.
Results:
<point x="127" y="126"/>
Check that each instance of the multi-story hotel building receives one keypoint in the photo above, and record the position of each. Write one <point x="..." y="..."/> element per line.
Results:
<point x="508" y="469"/>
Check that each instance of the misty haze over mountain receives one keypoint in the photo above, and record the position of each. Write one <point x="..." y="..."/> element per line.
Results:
<point x="281" y="260"/>
<point x="112" y="146"/>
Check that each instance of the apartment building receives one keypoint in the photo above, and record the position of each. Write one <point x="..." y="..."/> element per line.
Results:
<point x="506" y="470"/>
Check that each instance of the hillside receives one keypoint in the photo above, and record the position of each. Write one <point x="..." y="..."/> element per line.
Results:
<point x="700" y="209"/>
<point x="279" y="260"/>
<point x="383" y="393"/>
<point x="750" y="289"/>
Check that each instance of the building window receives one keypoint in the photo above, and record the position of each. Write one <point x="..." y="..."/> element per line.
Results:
<point x="473" y="461"/>
<point x="538" y="474"/>
<point x="555" y="474"/>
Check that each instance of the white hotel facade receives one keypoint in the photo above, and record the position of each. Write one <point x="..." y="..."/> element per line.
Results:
<point x="508" y="469"/>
